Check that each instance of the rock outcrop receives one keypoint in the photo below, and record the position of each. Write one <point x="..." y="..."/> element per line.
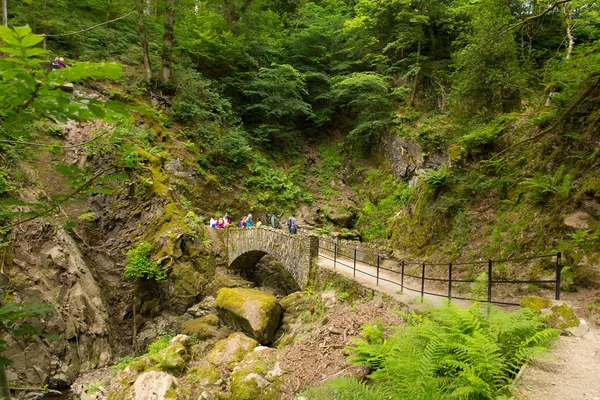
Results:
<point x="49" y="267"/>
<point x="232" y="350"/>
<point x="250" y="311"/>
<point x="154" y="385"/>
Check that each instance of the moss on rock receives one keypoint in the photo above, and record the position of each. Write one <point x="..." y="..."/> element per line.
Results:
<point x="251" y="311"/>
<point x="206" y="375"/>
<point x="205" y="327"/>
<point x="232" y="350"/>
<point x="535" y="303"/>
<point x="563" y="317"/>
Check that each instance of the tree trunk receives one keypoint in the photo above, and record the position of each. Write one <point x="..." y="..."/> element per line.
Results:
<point x="4" y="391"/>
<point x="5" y="13"/>
<point x="569" y="24"/>
<point x="167" y="50"/>
<point x="142" y="29"/>
<point x="108" y="9"/>
<point x="45" y="22"/>
<point x="416" y="80"/>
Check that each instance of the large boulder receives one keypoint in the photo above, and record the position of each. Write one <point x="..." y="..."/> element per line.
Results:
<point x="257" y="376"/>
<point x="232" y="350"/>
<point x="155" y="385"/>
<point x="250" y="311"/>
<point x="204" y="328"/>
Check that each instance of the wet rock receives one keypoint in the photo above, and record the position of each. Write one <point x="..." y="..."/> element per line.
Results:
<point x="232" y="350"/>
<point x="250" y="311"/>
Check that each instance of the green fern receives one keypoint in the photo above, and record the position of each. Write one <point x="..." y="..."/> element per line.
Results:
<point x="447" y="353"/>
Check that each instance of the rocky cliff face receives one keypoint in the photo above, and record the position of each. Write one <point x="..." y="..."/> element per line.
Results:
<point x="407" y="157"/>
<point x="48" y="266"/>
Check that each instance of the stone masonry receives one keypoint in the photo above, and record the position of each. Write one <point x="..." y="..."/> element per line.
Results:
<point x="245" y="247"/>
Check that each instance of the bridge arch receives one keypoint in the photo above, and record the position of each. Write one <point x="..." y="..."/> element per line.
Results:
<point x="246" y="246"/>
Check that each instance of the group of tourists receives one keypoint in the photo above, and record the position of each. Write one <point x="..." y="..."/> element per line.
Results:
<point x="246" y="221"/>
<point x="58" y="63"/>
<point x="221" y="221"/>
<point x="273" y="220"/>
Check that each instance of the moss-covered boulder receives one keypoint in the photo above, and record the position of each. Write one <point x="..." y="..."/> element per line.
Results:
<point x="256" y="377"/>
<point x="232" y="350"/>
<point x="560" y="314"/>
<point x="296" y="303"/>
<point x="563" y="317"/>
<point x="535" y="303"/>
<point x="204" y="328"/>
<point x="205" y="376"/>
<point x="251" y="311"/>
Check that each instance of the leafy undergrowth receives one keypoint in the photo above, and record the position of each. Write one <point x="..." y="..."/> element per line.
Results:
<point x="445" y="353"/>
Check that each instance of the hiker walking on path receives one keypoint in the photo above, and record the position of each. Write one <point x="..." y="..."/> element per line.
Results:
<point x="249" y="221"/>
<point x="292" y="225"/>
<point x="273" y="219"/>
<point x="55" y="64"/>
<point x="61" y="63"/>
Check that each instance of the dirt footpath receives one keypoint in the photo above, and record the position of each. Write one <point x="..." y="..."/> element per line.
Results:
<point x="572" y="374"/>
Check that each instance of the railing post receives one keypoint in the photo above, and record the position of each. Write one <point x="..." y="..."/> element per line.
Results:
<point x="422" y="282"/>
<point x="450" y="282"/>
<point x="334" y="253"/>
<point x="402" y="278"/>
<point x="377" y="284"/>
<point x="489" y="281"/>
<point x="558" y="271"/>
<point x="354" y="273"/>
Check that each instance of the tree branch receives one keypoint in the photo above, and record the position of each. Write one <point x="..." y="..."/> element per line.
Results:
<point x="56" y="206"/>
<point x="92" y="27"/>
<point x="533" y="17"/>
<point x="590" y="89"/>
<point x="62" y="147"/>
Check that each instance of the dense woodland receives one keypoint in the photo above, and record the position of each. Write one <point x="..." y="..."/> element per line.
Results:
<point x="287" y="103"/>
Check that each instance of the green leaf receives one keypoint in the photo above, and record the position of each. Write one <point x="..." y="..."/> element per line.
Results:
<point x="9" y="36"/>
<point x="31" y="40"/>
<point x="97" y="111"/>
<point x="22" y="31"/>
<point x="36" y="51"/>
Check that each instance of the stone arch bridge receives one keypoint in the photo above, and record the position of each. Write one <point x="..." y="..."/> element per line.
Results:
<point x="245" y="247"/>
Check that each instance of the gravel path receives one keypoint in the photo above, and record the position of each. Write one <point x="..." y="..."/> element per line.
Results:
<point x="572" y="374"/>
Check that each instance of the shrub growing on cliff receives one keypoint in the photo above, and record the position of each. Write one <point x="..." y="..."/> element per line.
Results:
<point x="436" y="178"/>
<point x="140" y="266"/>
